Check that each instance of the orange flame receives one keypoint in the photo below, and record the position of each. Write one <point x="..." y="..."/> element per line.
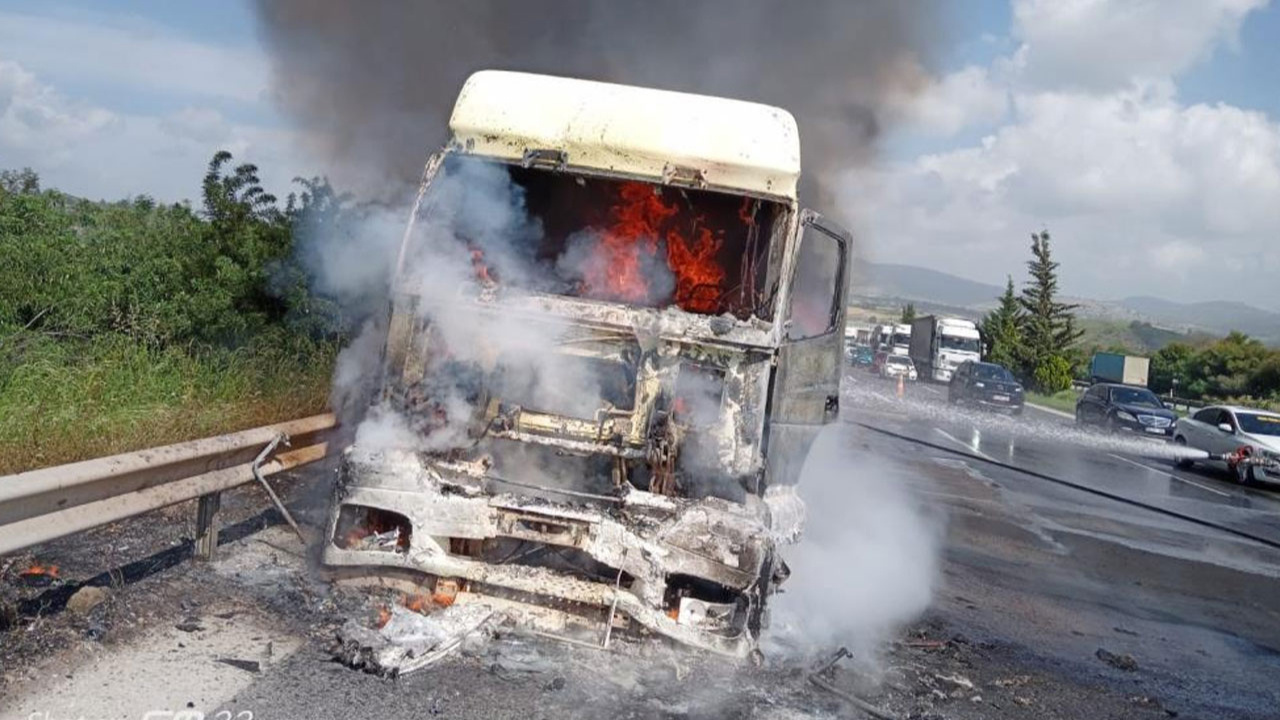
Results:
<point x="38" y="569"/>
<point x="418" y="603"/>
<point x="617" y="269"/>
<point x="479" y="267"/>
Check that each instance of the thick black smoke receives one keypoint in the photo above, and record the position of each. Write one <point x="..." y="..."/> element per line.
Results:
<point x="373" y="82"/>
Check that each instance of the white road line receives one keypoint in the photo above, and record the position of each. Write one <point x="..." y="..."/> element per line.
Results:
<point x="963" y="444"/>
<point x="1166" y="473"/>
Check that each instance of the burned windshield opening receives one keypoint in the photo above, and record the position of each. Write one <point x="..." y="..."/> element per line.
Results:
<point x="623" y="241"/>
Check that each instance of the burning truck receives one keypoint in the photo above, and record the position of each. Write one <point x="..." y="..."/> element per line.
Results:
<point x="613" y="337"/>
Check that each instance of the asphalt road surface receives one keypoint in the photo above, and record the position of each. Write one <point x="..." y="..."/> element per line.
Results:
<point x="1049" y="602"/>
<point x="1134" y="467"/>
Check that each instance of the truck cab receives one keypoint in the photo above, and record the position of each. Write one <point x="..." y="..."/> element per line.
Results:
<point x="613" y="337"/>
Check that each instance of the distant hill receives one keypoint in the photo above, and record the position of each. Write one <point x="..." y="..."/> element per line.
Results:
<point x="1141" y="337"/>
<point x="1219" y="315"/>
<point x="917" y="283"/>
<point x="1152" y="322"/>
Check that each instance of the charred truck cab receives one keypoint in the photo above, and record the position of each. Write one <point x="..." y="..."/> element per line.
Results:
<point x="603" y="417"/>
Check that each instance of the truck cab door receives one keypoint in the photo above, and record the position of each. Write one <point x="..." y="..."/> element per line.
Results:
<point x="805" y="391"/>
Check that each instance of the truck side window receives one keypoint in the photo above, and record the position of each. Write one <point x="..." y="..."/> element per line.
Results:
<point x="817" y="277"/>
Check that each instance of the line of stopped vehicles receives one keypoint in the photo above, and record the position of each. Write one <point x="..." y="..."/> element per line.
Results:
<point x="1243" y="442"/>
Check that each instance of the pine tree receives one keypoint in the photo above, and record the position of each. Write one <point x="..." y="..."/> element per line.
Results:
<point x="908" y="314"/>
<point x="1002" y="330"/>
<point x="1048" y="326"/>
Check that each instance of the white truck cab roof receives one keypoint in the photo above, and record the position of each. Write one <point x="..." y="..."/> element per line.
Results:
<point x="640" y="132"/>
<point x="958" y="328"/>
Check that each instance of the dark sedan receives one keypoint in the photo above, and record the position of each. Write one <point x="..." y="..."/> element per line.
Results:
<point x="1125" y="407"/>
<point x="985" y="385"/>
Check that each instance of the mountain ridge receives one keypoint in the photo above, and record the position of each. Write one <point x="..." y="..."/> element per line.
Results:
<point x="913" y="283"/>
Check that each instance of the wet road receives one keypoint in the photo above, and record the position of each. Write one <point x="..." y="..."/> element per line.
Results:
<point x="1136" y="468"/>
<point x="1062" y="573"/>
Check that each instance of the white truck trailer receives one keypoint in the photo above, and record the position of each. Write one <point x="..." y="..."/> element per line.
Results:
<point x="940" y="344"/>
<point x="893" y="339"/>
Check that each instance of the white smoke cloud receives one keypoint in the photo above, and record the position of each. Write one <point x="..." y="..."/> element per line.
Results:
<point x="869" y="558"/>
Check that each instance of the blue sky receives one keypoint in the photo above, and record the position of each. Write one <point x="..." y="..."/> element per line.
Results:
<point x="1142" y="133"/>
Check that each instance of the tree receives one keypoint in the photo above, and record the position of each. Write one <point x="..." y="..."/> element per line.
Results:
<point x="1002" y="330"/>
<point x="1173" y="361"/>
<point x="1227" y="366"/>
<point x="908" y="314"/>
<point x="1053" y="374"/>
<point x="1048" y="326"/>
<point x="19" y="182"/>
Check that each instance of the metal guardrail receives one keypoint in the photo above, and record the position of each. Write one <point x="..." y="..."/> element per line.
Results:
<point x="1183" y="404"/>
<point x="42" y="505"/>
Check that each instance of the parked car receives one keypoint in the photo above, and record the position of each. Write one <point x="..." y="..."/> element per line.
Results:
<point x="1125" y="407"/>
<point x="895" y="365"/>
<point x="1225" y="429"/>
<point x="988" y="385"/>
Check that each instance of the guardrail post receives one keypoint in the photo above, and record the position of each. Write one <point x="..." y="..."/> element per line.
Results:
<point x="207" y="525"/>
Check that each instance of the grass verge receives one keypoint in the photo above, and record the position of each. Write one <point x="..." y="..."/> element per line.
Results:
<point x="1064" y="401"/>
<point x="63" y="400"/>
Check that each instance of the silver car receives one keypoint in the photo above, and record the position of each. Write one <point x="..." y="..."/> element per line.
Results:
<point x="1223" y="430"/>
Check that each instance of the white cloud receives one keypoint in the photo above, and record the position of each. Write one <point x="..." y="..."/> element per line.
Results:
<point x="1144" y="193"/>
<point x="35" y="119"/>
<point x="1104" y="44"/>
<point x="96" y="153"/>
<point x="1134" y="186"/>
<point x="956" y="101"/>
<point x="132" y="53"/>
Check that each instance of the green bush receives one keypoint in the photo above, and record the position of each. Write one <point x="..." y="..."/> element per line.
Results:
<point x="1053" y="375"/>
<point x="130" y="324"/>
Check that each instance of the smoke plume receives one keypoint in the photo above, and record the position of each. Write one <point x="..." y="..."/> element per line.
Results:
<point x="869" y="558"/>
<point x="372" y="83"/>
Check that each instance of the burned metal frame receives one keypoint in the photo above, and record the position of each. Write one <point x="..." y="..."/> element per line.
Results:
<point x="692" y="564"/>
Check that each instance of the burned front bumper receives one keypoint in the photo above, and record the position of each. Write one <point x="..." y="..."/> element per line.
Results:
<point x="696" y="571"/>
